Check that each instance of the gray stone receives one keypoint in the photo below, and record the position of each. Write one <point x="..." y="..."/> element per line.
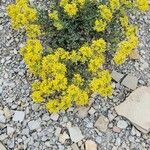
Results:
<point x="122" y="124"/>
<point x="19" y="116"/>
<point x="116" y="76"/>
<point x="2" y="118"/>
<point x="102" y="123"/>
<point x="2" y="146"/>
<point x="10" y="130"/>
<point x="136" y="108"/>
<point x="74" y="146"/>
<point x="33" y="125"/>
<point x="90" y="145"/>
<point x="54" y="116"/>
<point x="130" y="82"/>
<point x="75" y="134"/>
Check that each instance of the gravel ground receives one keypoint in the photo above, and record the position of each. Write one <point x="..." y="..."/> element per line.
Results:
<point x="26" y="126"/>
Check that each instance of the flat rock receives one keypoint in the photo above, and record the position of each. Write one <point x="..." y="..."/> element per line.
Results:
<point x="136" y="108"/>
<point x="54" y="116"/>
<point x="90" y="145"/>
<point x="74" y="146"/>
<point x="117" y="76"/>
<point x="2" y="146"/>
<point x="2" y="118"/>
<point x="82" y="112"/>
<point x="130" y="82"/>
<point x="33" y="125"/>
<point x="134" y="55"/>
<point x="122" y="124"/>
<point x="75" y="134"/>
<point x="19" y="116"/>
<point x="102" y="123"/>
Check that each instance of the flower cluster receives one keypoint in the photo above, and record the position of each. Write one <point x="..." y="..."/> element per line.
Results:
<point x="67" y="76"/>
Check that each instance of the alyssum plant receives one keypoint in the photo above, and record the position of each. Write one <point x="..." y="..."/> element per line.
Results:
<point x="78" y="35"/>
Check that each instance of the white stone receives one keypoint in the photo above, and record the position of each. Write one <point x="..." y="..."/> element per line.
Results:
<point x="10" y="130"/>
<point x="54" y="116"/>
<point x="33" y="125"/>
<point x="82" y="112"/>
<point x="74" y="146"/>
<point x="7" y="112"/>
<point x="116" y="76"/>
<point x="2" y="146"/>
<point x="130" y="82"/>
<point x="57" y="131"/>
<point x="63" y="137"/>
<point x="19" y="116"/>
<point x="90" y="145"/>
<point x="2" y="118"/>
<point x="136" y="108"/>
<point x="122" y="124"/>
<point x="91" y="111"/>
<point x="102" y="123"/>
<point x="75" y="134"/>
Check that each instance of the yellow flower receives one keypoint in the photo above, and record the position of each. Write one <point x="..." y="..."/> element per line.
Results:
<point x="63" y="2"/>
<point x="78" y="80"/>
<point x="102" y="83"/>
<point x="33" y="31"/>
<point x="105" y="12"/>
<point x="74" y="57"/>
<point x="100" y="25"/>
<point x="58" y="24"/>
<point x="80" y="2"/>
<point x="21" y="14"/>
<point x="37" y="97"/>
<point x="124" y="21"/>
<point x="130" y="30"/>
<point x="71" y="9"/>
<point x="142" y="5"/>
<point x="86" y="52"/>
<point x="98" y="46"/>
<point x="53" y="106"/>
<point x="124" y="49"/>
<point x="54" y="15"/>
<point x="114" y="5"/>
<point x="96" y="63"/>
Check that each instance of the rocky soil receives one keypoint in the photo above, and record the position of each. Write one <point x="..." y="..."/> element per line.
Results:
<point x="26" y="126"/>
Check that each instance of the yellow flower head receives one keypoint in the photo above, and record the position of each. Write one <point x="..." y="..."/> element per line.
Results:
<point x="124" y="21"/>
<point x="100" y="25"/>
<point x="105" y="12"/>
<point x="64" y="2"/>
<point x="114" y="5"/>
<point x="142" y="5"/>
<point x="86" y="52"/>
<point x="54" y="15"/>
<point x="99" y="45"/>
<point x="71" y="9"/>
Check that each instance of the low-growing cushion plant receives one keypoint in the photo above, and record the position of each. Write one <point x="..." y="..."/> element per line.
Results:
<point x="69" y="45"/>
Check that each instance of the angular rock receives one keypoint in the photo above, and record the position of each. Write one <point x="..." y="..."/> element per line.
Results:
<point x="19" y="116"/>
<point x="74" y="146"/>
<point x="122" y="124"/>
<point x="136" y="108"/>
<point x="33" y="125"/>
<point x="7" y="113"/>
<point x="82" y="112"/>
<point x="90" y="145"/>
<point x="63" y="137"/>
<point x="130" y="82"/>
<point x="75" y="134"/>
<point x="117" y="76"/>
<point x="91" y="111"/>
<point x="10" y="130"/>
<point x="2" y="146"/>
<point x="2" y="118"/>
<point x="54" y="116"/>
<point x="102" y="123"/>
<point x="134" y="55"/>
